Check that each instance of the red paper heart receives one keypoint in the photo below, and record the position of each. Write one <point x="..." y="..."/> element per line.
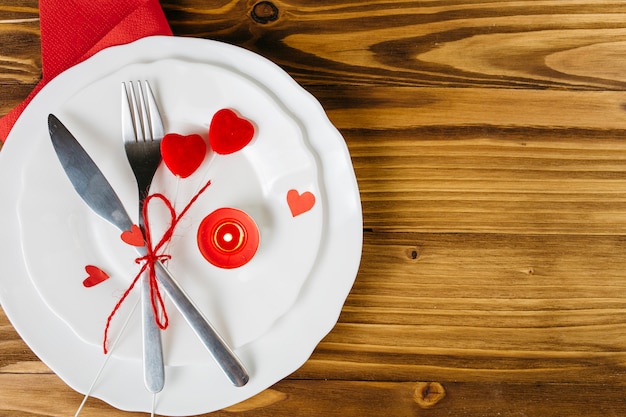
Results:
<point x="134" y="236"/>
<point x="183" y="154"/>
<point x="229" y="133"/>
<point x="95" y="276"/>
<point x="300" y="203"/>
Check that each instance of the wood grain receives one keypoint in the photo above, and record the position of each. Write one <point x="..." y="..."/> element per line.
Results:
<point x="488" y="143"/>
<point x="467" y="307"/>
<point x="346" y="398"/>
<point x="20" y="58"/>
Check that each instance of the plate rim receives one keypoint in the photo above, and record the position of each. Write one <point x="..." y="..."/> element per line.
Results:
<point x="351" y="228"/>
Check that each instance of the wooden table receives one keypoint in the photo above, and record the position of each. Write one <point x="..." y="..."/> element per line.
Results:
<point x="489" y="143"/>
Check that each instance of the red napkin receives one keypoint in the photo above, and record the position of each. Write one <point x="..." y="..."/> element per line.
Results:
<point x="74" y="30"/>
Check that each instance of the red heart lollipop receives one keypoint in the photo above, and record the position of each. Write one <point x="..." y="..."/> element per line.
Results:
<point x="229" y="133"/>
<point x="183" y="154"/>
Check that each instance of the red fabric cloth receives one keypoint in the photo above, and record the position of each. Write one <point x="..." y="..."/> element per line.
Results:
<point x="74" y="30"/>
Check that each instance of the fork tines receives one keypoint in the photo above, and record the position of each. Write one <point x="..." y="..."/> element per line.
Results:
<point x="141" y="120"/>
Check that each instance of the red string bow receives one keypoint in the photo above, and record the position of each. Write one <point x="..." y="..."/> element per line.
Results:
<point x="154" y="254"/>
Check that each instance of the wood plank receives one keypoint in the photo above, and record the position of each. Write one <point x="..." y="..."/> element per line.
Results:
<point x="481" y="307"/>
<point x="554" y="45"/>
<point x="343" y="398"/>
<point x="510" y="44"/>
<point x="20" y="57"/>
<point x="49" y="397"/>
<point x="20" y="61"/>
<point x="510" y="175"/>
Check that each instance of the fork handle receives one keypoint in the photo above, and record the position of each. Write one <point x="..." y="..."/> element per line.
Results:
<point x="208" y="335"/>
<point x="154" y="372"/>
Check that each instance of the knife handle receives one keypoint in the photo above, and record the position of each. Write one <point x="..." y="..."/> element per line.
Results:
<point x="208" y="335"/>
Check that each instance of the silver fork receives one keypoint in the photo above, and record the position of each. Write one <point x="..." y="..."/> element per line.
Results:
<point x="136" y="152"/>
<point x="142" y="131"/>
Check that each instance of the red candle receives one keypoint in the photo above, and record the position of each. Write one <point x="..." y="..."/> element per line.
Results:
<point x="228" y="238"/>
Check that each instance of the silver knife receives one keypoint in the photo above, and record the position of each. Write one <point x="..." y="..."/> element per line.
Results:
<point x="90" y="183"/>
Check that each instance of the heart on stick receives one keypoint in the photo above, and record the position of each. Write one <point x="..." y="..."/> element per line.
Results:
<point x="183" y="154"/>
<point x="229" y="133"/>
<point x="133" y="237"/>
<point x="300" y="203"/>
<point x="95" y="276"/>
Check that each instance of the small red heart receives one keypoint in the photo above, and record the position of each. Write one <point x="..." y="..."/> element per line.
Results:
<point x="134" y="236"/>
<point x="300" y="203"/>
<point x="95" y="276"/>
<point x="183" y="154"/>
<point x="229" y="133"/>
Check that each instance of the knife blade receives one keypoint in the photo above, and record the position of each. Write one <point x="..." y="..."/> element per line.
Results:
<point x="93" y="187"/>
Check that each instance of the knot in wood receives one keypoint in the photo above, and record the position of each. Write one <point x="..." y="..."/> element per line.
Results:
<point x="413" y="253"/>
<point x="264" y="12"/>
<point x="428" y="394"/>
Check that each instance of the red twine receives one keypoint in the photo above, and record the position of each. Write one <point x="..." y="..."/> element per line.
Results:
<point x="154" y="254"/>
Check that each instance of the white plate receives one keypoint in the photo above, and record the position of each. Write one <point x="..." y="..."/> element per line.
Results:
<point x="274" y="310"/>
<point x="242" y="303"/>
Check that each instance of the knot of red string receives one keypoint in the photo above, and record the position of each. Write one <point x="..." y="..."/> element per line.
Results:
<point x="154" y="254"/>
